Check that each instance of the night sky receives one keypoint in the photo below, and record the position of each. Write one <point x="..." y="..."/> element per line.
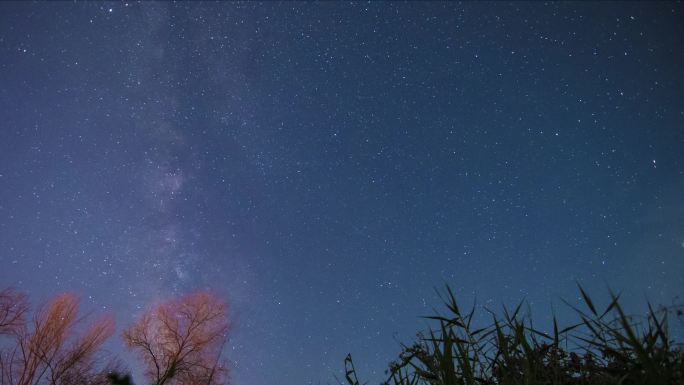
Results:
<point x="325" y="166"/>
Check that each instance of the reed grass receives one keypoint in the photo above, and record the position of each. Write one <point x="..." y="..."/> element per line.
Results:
<point x="604" y="347"/>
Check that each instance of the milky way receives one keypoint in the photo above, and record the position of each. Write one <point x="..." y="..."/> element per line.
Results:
<point x="325" y="166"/>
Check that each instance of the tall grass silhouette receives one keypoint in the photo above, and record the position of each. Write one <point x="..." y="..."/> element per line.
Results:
<point x="604" y="347"/>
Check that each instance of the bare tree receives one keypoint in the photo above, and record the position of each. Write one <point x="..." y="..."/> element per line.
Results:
<point x="13" y="306"/>
<point x="180" y="341"/>
<point x="48" y="350"/>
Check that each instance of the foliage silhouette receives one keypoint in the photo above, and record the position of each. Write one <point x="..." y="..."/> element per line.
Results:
<point x="119" y="379"/>
<point x="605" y="347"/>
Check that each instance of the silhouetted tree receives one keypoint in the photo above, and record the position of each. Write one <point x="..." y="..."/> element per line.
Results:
<point x="180" y="341"/>
<point x="48" y="349"/>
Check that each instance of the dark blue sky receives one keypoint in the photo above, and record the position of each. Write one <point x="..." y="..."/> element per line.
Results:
<point x="325" y="166"/>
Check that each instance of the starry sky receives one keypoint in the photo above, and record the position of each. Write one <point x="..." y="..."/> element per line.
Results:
<point x="325" y="166"/>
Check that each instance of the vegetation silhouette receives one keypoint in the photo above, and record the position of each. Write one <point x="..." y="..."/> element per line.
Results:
<point x="119" y="379"/>
<point x="605" y="347"/>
